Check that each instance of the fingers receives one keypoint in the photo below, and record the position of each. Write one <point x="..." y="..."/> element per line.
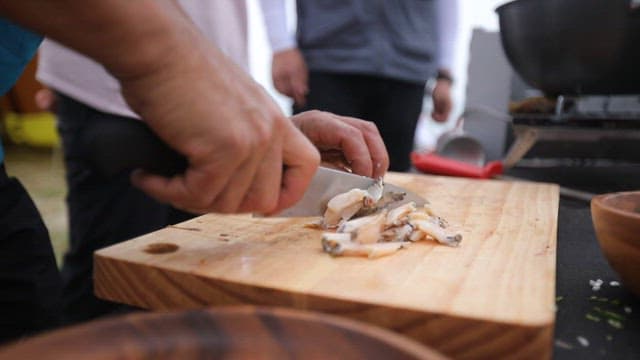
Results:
<point x="355" y="149"/>
<point x="441" y="110"/>
<point x="442" y="103"/>
<point x="263" y="194"/>
<point x="378" y="154"/>
<point x="187" y="192"/>
<point x="282" y="84"/>
<point x="300" y="86"/>
<point x="299" y="94"/>
<point x="437" y="115"/>
<point x="358" y="141"/>
<point x="236" y="189"/>
<point x="301" y="160"/>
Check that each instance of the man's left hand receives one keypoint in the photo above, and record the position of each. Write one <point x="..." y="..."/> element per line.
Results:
<point x="357" y="143"/>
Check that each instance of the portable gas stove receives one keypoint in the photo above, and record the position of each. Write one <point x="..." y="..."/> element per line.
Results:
<point x="577" y="130"/>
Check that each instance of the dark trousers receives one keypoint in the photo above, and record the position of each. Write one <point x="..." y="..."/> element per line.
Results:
<point x="393" y="105"/>
<point x="104" y="208"/>
<point x="29" y="279"/>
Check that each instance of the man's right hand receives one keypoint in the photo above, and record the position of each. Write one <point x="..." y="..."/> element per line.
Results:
<point x="290" y="75"/>
<point x="244" y="154"/>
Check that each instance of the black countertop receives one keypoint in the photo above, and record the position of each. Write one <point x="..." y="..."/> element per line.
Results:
<point x="579" y="260"/>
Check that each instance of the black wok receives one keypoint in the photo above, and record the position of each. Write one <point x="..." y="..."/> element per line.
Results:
<point x="574" y="47"/>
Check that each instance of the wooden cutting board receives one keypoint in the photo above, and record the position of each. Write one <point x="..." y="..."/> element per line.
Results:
<point x="492" y="297"/>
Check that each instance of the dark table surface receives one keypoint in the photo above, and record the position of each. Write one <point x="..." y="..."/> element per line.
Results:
<point x="579" y="260"/>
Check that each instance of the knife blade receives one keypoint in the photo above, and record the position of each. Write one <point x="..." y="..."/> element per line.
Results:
<point x="327" y="183"/>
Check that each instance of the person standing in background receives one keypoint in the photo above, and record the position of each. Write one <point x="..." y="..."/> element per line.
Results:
<point x="368" y="59"/>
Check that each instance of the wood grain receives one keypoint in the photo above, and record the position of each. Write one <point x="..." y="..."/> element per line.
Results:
<point x="222" y="333"/>
<point x="491" y="297"/>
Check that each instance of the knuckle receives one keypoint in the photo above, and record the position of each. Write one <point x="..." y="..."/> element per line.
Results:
<point x="262" y="137"/>
<point x="352" y="133"/>
<point x="370" y="127"/>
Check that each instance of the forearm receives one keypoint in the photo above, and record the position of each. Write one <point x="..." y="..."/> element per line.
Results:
<point x="128" y="37"/>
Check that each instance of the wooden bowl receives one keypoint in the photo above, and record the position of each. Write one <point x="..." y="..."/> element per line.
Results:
<point x="221" y="333"/>
<point x="616" y="219"/>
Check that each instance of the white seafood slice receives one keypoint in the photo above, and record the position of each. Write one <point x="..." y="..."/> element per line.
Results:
<point x="397" y="233"/>
<point x="398" y="216"/>
<point x="417" y="235"/>
<point x="348" y="248"/>
<point x="343" y="206"/>
<point x="370" y="232"/>
<point x="432" y="229"/>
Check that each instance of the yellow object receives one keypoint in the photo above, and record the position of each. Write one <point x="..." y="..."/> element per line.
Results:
<point x="35" y="129"/>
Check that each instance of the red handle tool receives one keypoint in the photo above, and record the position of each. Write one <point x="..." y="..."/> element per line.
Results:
<point x="436" y="164"/>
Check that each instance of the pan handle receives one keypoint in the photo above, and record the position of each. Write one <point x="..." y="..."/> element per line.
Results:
<point x="434" y="164"/>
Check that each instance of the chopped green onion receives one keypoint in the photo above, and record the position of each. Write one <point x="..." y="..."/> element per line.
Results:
<point x="563" y="345"/>
<point x="613" y="315"/>
<point x="592" y="317"/>
<point x="598" y="299"/>
<point x="609" y="337"/>
<point x="559" y="298"/>
<point x="615" y="323"/>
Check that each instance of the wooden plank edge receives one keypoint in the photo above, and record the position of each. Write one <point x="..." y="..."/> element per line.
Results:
<point x="462" y="338"/>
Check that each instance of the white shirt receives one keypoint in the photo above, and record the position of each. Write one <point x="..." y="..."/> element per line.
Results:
<point x="224" y="22"/>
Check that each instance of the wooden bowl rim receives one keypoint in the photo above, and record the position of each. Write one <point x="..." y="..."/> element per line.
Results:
<point x="600" y="201"/>
<point x="402" y="344"/>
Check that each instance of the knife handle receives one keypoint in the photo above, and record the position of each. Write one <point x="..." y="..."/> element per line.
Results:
<point x="120" y="146"/>
<point x="435" y="164"/>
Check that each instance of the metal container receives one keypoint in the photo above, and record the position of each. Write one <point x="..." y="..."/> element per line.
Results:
<point x="574" y="47"/>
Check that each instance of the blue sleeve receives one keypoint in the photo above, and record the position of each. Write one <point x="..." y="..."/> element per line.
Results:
<point x="17" y="47"/>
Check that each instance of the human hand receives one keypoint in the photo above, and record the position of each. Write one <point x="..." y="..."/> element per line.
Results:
<point x="345" y="141"/>
<point x="290" y="75"/>
<point x="442" y="102"/>
<point x="45" y="99"/>
<point x="244" y="155"/>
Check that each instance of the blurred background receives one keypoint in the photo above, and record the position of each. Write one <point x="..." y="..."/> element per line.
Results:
<point x="484" y="88"/>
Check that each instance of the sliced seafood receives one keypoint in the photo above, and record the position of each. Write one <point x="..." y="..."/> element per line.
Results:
<point x="366" y="225"/>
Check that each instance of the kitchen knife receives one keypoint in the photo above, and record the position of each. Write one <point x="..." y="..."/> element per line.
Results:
<point x="117" y="147"/>
<point x="327" y="183"/>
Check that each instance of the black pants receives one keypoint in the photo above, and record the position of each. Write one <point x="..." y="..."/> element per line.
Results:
<point x="29" y="278"/>
<point x="393" y="105"/>
<point x="104" y="208"/>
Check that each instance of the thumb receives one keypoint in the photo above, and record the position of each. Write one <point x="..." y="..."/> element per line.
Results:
<point x="301" y="160"/>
